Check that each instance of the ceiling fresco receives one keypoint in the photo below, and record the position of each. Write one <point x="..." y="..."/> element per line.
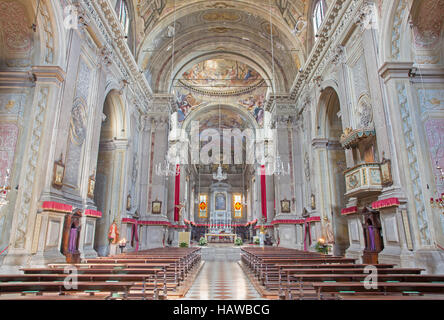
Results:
<point x="221" y="76"/>
<point x="224" y="80"/>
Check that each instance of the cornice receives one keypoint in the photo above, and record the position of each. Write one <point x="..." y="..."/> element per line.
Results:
<point x="104" y="18"/>
<point x="340" y="18"/>
<point x="395" y="70"/>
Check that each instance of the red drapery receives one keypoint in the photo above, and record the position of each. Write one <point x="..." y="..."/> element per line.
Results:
<point x="263" y="193"/>
<point x="177" y="194"/>
<point x="307" y="233"/>
<point x="135" y="236"/>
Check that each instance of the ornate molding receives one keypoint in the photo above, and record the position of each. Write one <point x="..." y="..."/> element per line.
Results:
<point x="31" y="169"/>
<point x="115" y="47"/>
<point x="413" y="169"/>
<point x="327" y="49"/>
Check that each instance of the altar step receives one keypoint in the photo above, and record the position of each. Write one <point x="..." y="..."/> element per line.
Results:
<point x="219" y="253"/>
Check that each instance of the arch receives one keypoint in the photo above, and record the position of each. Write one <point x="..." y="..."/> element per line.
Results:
<point x="250" y="61"/>
<point x="260" y="53"/>
<point x="332" y="163"/>
<point x="328" y="94"/>
<point x="395" y="35"/>
<point x="211" y="106"/>
<point x="109" y="190"/>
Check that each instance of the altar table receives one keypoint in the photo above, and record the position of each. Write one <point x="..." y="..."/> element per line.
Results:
<point x="220" y="235"/>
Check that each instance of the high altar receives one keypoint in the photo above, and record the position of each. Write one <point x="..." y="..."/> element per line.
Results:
<point x="220" y="211"/>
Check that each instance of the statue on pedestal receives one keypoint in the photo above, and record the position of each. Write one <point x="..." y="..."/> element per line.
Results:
<point x="329" y="235"/>
<point x="113" y="233"/>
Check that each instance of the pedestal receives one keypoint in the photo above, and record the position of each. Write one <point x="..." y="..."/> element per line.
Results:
<point x="114" y="249"/>
<point x="356" y="235"/>
<point x="47" y="239"/>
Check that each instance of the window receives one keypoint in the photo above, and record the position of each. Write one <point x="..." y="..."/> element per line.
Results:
<point x="123" y="15"/>
<point x="318" y="15"/>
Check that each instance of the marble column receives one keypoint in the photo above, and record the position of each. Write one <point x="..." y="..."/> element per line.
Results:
<point x="34" y="171"/>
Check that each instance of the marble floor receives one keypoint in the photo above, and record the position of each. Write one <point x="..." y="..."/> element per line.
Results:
<point x="222" y="280"/>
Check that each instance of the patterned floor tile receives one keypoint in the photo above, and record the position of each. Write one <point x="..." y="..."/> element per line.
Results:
<point x="222" y="281"/>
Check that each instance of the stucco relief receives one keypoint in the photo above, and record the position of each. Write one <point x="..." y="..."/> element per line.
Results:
<point x="31" y="163"/>
<point x="12" y="104"/>
<point x="434" y="129"/>
<point x="431" y="100"/>
<point x="8" y="140"/>
<point x="360" y="79"/>
<point x="15" y="26"/>
<point x="428" y="23"/>
<point x="77" y="135"/>
<point x="364" y="112"/>
<point x="83" y="80"/>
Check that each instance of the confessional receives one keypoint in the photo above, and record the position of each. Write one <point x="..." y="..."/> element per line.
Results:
<point x="372" y="236"/>
<point x="71" y="236"/>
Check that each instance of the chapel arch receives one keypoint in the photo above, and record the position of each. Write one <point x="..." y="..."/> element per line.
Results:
<point x="110" y="184"/>
<point x="333" y="163"/>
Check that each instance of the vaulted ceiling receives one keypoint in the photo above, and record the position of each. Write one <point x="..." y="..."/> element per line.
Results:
<point x="198" y="30"/>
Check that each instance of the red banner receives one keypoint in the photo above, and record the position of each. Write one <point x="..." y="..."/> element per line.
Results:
<point x="177" y="194"/>
<point x="391" y="202"/>
<point x="56" y="206"/>
<point x="263" y="193"/>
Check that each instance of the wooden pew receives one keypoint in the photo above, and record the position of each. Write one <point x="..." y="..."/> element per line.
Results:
<point x="299" y="281"/>
<point x="59" y="286"/>
<point x="384" y="287"/>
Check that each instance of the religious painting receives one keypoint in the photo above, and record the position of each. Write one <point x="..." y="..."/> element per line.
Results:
<point x="91" y="186"/>
<point x="156" y="207"/>
<point x="285" y="206"/>
<point x="220" y="201"/>
<point x="386" y="173"/>
<point x="221" y="75"/>
<point x="128" y="202"/>
<point x="203" y="207"/>
<point x="185" y="103"/>
<point x="237" y="206"/>
<point x="58" y="173"/>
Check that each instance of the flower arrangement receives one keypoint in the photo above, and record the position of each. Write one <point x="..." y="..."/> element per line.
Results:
<point x="202" y="241"/>
<point x="256" y="241"/>
<point x="183" y="245"/>
<point x="321" y="246"/>
<point x="238" y="241"/>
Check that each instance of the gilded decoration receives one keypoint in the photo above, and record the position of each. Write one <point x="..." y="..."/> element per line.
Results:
<point x="351" y="138"/>
<point x="215" y="16"/>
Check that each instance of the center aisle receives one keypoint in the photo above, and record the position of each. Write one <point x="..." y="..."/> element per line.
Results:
<point x="222" y="280"/>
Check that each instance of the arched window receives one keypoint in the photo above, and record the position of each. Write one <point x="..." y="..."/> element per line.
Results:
<point x="318" y="15"/>
<point x="123" y="15"/>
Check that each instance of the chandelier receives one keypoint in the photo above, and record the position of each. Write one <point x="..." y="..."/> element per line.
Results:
<point x="280" y="169"/>
<point x="166" y="168"/>
<point x="4" y="190"/>
<point x="220" y="176"/>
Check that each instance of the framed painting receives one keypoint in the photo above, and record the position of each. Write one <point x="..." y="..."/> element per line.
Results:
<point x="285" y="206"/>
<point x="58" y="174"/>
<point x="386" y="173"/>
<point x="156" y="207"/>
<point x="91" y="186"/>
<point x="220" y="201"/>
